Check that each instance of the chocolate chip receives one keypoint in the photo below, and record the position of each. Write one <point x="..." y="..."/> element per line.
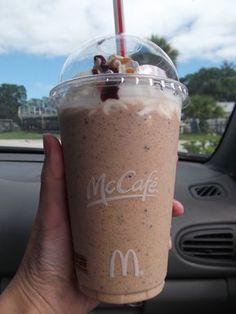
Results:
<point x="129" y="176"/>
<point x="120" y="219"/>
<point x="147" y="148"/>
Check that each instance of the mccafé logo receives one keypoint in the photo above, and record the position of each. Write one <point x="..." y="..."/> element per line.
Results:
<point x="102" y="191"/>
<point x="124" y="260"/>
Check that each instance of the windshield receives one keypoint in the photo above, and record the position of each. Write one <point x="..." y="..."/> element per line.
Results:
<point x="37" y="36"/>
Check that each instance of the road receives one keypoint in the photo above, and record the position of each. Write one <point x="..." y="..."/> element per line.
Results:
<point x="22" y="143"/>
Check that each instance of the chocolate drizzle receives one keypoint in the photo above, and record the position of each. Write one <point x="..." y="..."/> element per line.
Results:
<point x="109" y="90"/>
<point x="100" y="64"/>
<point x="114" y="64"/>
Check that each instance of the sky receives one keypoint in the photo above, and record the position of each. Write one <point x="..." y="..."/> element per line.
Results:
<point x="36" y="36"/>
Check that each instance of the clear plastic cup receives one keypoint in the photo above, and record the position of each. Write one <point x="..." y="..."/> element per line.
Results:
<point x="119" y="123"/>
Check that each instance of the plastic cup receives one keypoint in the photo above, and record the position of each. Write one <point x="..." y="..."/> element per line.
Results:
<point x="119" y="123"/>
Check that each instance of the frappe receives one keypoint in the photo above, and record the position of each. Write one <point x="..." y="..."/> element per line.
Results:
<point x="119" y="131"/>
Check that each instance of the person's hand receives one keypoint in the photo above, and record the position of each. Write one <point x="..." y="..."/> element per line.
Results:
<point x="46" y="281"/>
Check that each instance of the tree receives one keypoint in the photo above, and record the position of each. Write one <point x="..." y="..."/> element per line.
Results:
<point x="11" y="97"/>
<point x="34" y="102"/>
<point x="219" y="83"/>
<point x="40" y="102"/>
<point x="163" y="44"/>
<point x="145" y="56"/>
<point x="203" y="107"/>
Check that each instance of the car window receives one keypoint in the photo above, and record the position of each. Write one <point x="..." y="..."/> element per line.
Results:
<point x="33" y="50"/>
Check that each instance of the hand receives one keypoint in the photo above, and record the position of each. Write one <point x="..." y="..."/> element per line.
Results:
<point x="46" y="281"/>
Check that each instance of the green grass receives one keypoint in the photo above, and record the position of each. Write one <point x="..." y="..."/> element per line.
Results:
<point x="199" y="137"/>
<point x="200" y="144"/>
<point x="192" y="143"/>
<point x="21" y="135"/>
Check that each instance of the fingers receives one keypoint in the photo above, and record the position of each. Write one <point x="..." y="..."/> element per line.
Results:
<point x="178" y="208"/>
<point x="50" y="245"/>
<point x="51" y="232"/>
<point x="46" y="275"/>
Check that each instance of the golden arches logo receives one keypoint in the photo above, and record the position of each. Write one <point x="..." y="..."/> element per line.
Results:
<point x="124" y="260"/>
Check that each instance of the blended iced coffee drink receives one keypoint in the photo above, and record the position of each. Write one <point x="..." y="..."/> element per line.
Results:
<point x="119" y="131"/>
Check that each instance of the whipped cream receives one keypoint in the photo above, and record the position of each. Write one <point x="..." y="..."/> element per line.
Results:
<point x="149" y="99"/>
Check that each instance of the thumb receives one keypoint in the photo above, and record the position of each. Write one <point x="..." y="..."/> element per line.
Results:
<point x="52" y="212"/>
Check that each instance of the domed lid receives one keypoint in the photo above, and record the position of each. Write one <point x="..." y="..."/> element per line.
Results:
<point x="124" y="54"/>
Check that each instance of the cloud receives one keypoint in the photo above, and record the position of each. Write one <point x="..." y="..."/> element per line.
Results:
<point x="197" y="28"/>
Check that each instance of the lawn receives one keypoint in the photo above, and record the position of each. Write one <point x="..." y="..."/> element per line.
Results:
<point x="199" y="144"/>
<point x="21" y="135"/>
<point x="199" y="137"/>
<point x="191" y="143"/>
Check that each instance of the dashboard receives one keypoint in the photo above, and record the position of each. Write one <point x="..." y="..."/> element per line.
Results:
<point x="202" y="261"/>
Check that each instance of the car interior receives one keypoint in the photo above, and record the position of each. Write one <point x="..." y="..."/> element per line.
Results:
<point x="201" y="276"/>
<point x="202" y="261"/>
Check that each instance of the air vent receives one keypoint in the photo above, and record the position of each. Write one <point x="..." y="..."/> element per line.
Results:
<point x="215" y="245"/>
<point x="209" y="191"/>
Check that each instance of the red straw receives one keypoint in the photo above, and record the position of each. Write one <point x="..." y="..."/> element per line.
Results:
<point x="119" y="25"/>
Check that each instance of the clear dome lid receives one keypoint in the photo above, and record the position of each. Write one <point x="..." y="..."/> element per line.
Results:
<point x="124" y="54"/>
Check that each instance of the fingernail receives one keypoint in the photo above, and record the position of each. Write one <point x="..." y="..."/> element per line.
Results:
<point x="180" y="206"/>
